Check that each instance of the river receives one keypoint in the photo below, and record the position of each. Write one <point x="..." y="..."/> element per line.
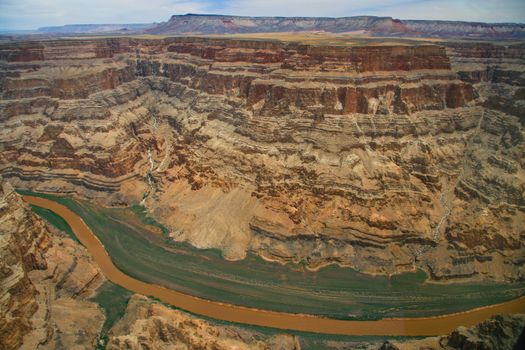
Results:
<point x="419" y="326"/>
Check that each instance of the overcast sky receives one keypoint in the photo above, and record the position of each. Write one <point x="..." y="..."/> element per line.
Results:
<point x="31" y="14"/>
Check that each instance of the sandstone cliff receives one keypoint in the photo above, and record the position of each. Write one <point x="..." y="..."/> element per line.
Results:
<point x="22" y="245"/>
<point x="385" y="158"/>
<point x="45" y="282"/>
<point x="45" y="286"/>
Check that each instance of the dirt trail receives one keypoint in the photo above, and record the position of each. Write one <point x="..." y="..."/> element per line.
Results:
<point x="423" y="326"/>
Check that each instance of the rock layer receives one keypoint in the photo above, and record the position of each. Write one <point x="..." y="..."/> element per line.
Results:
<point x="22" y="246"/>
<point x="387" y="26"/>
<point x="45" y="289"/>
<point x="45" y="282"/>
<point x="147" y="324"/>
<point x="383" y="158"/>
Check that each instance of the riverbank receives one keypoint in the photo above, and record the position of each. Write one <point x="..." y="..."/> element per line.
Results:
<point x="233" y="313"/>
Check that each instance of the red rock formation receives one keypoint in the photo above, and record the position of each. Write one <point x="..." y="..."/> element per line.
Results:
<point x="24" y="240"/>
<point x="377" y="157"/>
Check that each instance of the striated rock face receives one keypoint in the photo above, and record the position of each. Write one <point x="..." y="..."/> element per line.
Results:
<point x="370" y="25"/>
<point x="387" y="26"/>
<point x="385" y="158"/>
<point x="23" y="243"/>
<point x="150" y="325"/>
<point x="66" y="318"/>
<point x="45" y="282"/>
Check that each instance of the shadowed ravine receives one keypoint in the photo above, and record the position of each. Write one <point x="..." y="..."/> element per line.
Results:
<point x="233" y="313"/>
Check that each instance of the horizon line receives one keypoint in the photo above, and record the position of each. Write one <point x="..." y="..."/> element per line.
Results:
<point x="7" y="29"/>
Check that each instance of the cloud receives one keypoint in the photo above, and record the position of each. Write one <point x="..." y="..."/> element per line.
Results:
<point x="31" y="14"/>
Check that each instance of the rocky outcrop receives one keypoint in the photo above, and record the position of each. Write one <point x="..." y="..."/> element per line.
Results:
<point x="148" y="324"/>
<point x="385" y="158"/>
<point x="498" y="332"/>
<point x="496" y="72"/>
<point x="45" y="283"/>
<point x="23" y="244"/>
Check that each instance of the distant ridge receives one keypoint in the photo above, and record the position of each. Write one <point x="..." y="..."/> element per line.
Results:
<point x="380" y="26"/>
<point x="95" y="28"/>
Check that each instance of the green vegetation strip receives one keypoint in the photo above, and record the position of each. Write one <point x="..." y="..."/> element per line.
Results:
<point x="138" y="247"/>
<point x="113" y="299"/>
<point x="56" y="221"/>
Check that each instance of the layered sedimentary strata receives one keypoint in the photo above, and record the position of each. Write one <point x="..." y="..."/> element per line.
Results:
<point x="45" y="282"/>
<point x="147" y="324"/>
<point x="384" y="158"/>
<point x="387" y="26"/>
<point x="22" y="245"/>
<point x="46" y="285"/>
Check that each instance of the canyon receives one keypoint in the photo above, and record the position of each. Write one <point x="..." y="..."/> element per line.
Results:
<point x="205" y="24"/>
<point x="384" y="157"/>
<point x="46" y="298"/>
<point x="234" y="182"/>
<point x="47" y="280"/>
<point x="45" y="284"/>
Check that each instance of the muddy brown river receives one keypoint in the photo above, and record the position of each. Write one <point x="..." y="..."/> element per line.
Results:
<point x="421" y="326"/>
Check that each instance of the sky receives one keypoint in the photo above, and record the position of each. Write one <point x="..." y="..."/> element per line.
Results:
<point x="31" y="14"/>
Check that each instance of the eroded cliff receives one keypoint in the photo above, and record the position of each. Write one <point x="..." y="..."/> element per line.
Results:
<point x="22" y="245"/>
<point x="385" y="158"/>
<point x="147" y="324"/>
<point x="45" y="284"/>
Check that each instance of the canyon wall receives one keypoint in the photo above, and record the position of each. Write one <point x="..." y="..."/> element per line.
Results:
<point x="384" y="158"/>
<point x="498" y="332"/>
<point x="22" y="245"/>
<point x="47" y="281"/>
<point x="371" y="26"/>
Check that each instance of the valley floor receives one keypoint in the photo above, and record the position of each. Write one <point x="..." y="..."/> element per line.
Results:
<point x="122" y="238"/>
